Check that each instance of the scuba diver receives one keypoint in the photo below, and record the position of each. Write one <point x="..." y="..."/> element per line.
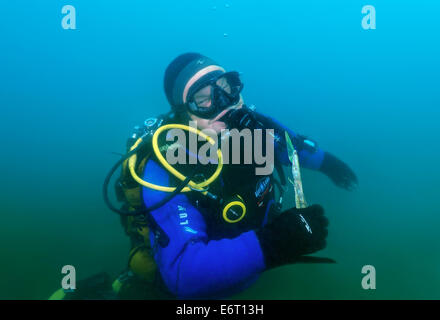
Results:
<point x="208" y="231"/>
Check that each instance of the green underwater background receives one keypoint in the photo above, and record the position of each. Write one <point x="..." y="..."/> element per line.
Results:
<point x="69" y="98"/>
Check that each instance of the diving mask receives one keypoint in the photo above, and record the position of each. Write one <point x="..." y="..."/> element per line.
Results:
<point x="215" y="95"/>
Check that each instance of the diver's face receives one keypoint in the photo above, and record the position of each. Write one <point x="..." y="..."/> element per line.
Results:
<point x="203" y="99"/>
<point x="214" y="123"/>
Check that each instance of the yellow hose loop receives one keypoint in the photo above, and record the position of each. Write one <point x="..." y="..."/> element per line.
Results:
<point x="193" y="185"/>
<point x="176" y="173"/>
<point x="131" y="164"/>
<point x="229" y="205"/>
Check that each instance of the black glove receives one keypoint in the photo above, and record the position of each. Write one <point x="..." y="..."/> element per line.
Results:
<point x="294" y="233"/>
<point x="241" y="118"/>
<point x="339" y="172"/>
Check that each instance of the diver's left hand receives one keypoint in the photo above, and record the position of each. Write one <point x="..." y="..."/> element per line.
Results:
<point x="339" y="172"/>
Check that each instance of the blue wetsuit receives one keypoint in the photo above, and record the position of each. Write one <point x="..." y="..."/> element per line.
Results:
<point x="194" y="266"/>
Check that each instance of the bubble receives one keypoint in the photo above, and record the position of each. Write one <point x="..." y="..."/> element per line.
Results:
<point x="227" y="5"/>
<point x="225" y="35"/>
<point x="214" y="8"/>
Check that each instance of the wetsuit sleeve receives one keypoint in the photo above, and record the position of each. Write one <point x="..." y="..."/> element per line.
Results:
<point x="309" y="154"/>
<point x="192" y="265"/>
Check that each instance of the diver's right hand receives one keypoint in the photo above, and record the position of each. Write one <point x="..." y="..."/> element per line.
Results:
<point x="294" y="233"/>
<point x="241" y="118"/>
